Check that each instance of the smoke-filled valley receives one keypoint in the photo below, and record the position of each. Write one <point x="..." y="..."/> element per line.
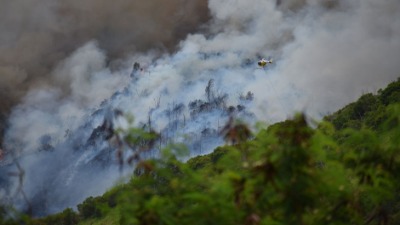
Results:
<point x="68" y="71"/>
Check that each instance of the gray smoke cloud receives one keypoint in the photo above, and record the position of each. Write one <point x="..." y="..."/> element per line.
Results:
<point x="326" y="54"/>
<point x="339" y="54"/>
<point x="36" y="35"/>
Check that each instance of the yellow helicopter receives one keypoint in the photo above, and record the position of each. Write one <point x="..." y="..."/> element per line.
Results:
<point x="263" y="62"/>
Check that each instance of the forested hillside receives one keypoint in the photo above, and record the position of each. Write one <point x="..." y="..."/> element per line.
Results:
<point x="343" y="170"/>
<point x="368" y="111"/>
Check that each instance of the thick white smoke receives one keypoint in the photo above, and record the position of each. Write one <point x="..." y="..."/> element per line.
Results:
<point x="46" y="112"/>
<point x="326" y="54"/>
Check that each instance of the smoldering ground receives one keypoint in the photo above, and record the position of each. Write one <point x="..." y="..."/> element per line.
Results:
<point x="326" y="54"/>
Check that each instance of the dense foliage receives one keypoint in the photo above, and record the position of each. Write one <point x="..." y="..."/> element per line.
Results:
<point x="344" y="171"/>
<point x="368" y="111"/>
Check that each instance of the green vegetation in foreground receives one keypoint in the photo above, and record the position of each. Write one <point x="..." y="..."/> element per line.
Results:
<point x="346" y="171"/>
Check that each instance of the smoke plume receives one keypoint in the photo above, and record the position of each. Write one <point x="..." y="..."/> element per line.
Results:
<point x="36" y="35"/>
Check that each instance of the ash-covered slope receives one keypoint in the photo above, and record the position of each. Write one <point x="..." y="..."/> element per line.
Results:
<point x="65" y="165"/>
